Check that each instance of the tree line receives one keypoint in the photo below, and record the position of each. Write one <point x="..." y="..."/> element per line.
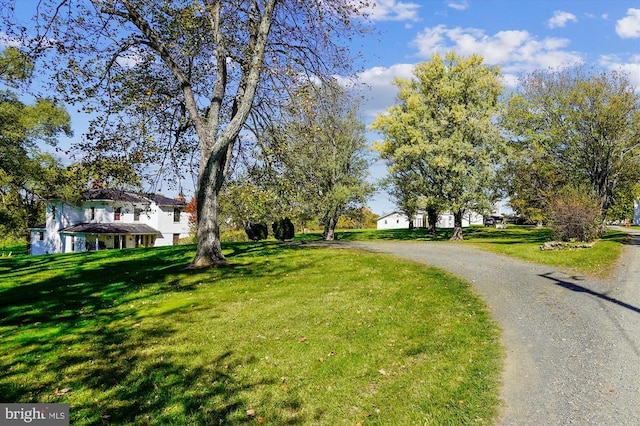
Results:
<point x="563" y="146"/>
<point x="197" y="88"/>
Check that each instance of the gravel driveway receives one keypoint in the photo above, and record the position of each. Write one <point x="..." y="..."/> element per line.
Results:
<point x="573" y="344"/>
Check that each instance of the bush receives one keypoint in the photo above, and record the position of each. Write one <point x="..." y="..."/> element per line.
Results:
<point x="256" y="231"/>
<point x="191" y="239"/>
<point x="283" y="229"/>
<point x="234" y="236"/>
<point x="575" y="215"/>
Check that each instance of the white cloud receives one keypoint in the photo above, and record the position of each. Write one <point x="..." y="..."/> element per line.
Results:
<point x="458" y="4"/>
<point x="378" y="91"/>
<point x="560" y="19"/>
<point x="130" y="58"/>
<point x="630" y="67"/>
<point x="8" y="41"/>
<point x="516" y="50"/>
<point x="629" y="26"/>
<point x="510" y="80"/>
<point x="393" y="10"/>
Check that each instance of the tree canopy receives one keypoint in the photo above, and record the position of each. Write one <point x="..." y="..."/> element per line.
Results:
<point x="27" y="176"/>
<point x="442" y="133"/>
<point x="174" y="82"/>
<point x="312" y="163"/>
<point x="322" y="153"/>
<point x="572" y="127"/>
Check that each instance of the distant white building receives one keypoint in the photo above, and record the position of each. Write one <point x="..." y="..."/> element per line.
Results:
<point x="111" y="219"/>
<point x="398" y="220"/>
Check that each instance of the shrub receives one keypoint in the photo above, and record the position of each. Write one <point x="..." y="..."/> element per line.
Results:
<point x="575" y="215"/>
<point x="283" y="229"/>
<point x="256" y="231"/>
<point x="234" y="236"/>
<point x="191" y="239"/>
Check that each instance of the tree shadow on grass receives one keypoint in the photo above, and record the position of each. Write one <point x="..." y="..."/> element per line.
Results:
<point x="511" y="235"/>
<point x="71" y="328"/>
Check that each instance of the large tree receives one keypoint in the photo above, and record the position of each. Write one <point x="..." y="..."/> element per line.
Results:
<point x="443" y="130"/>
<point x="27" y="176"/>
<point x="572" y="127"/>
<point x="176" y="80"/>
<point x="321" y="153"/>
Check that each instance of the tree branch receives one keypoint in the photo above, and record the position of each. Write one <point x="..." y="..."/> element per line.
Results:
<point x="156" y="43"/>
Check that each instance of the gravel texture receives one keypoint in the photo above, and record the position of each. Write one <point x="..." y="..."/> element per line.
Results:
<point x="572" y="343"/>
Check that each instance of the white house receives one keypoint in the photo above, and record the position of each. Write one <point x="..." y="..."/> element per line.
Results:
<point x="397" y="220"/>
<point x="110" y="219"/>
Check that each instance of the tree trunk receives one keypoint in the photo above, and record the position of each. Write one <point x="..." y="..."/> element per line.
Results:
<point x="457" y="226"/>
<point x="209" y="249"/>
<point x="432" y="218"/>
<point x="330" y="224"/>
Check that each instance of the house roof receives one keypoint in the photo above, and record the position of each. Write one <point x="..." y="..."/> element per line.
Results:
<point x="390" y="214"/>
<point x="111" y="228"/>
<point x="112" y="195"/>
<point x="165" y="201"/>
<point x="119" y="195"/>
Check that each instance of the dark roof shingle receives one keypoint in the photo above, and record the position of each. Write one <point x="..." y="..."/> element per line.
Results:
<point x="112" y="228"/>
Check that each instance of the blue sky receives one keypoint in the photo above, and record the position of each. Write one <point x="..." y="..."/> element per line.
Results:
<point x="519" y="35"/>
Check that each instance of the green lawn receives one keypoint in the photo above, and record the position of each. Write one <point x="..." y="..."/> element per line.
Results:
<point x="284" y="335"/>
<point x="522" y="242"/>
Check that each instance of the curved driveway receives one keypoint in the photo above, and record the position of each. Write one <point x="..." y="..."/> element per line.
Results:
<point x="572" y="343"/>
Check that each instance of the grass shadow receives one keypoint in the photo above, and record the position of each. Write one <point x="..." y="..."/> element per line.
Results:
<point x="72" y="324"/>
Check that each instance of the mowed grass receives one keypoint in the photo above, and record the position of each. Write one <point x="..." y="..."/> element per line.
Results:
<point x="522" y="242"/>
<point x="284" y="335"/>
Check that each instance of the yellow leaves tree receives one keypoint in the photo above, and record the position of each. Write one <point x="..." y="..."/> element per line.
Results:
<point x="441" y="133"/>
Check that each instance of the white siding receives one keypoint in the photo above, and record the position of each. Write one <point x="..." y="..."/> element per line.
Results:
<point x="168" y="227"/>
<point x="446" y="220"/>
<point x="38" y="246"/>
<point x="60" y="216"/>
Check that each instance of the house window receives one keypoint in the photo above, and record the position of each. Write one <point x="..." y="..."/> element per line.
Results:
<point x="41" y="236"/>
<point x="117" y="213"/>
<point x="136" y="214"/>
<point x="176" y="214"/>
<point x="93" y="213"/>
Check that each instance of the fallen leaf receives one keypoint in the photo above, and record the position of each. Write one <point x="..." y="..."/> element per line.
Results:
<point x="260" y="420"/>
<point x="381" y="371"/>
<point x="284" y="388"/>
<point x="321" y="359"/>
<point x="302" y="339"/>
<point x="251" y="413"/>
<point x="61" y="391"/>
